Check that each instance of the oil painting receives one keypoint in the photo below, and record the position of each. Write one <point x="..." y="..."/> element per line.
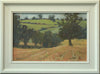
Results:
<point x="49" y="36"/>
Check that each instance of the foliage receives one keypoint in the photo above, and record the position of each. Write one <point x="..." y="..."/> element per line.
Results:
<point x="33" y="18"/>
<point x="52" y="17"/>
<point x="50" y="40"/>
<point x="16" y="30"/>
<point x="26" y="35"/>
<point x="26" y="18"/>
<point x="40" y="16"/>
<point x="70" y="28"/>
<point x="37" y="37"/>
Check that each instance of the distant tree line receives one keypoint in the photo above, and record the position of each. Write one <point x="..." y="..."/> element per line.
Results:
<point x="40" y="16"/>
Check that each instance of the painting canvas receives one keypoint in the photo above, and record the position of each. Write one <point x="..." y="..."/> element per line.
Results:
<point x="49" y="37"/>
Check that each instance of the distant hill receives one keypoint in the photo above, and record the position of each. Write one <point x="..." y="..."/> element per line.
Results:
<point x="44" y="25"/>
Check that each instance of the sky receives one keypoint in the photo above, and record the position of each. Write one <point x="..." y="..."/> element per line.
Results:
<point x="46" y="15"/>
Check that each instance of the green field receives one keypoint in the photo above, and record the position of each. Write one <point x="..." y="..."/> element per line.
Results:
<point x="44" y="25"/>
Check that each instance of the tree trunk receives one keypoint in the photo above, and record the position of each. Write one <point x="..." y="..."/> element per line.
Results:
<point x="70" y="43"/>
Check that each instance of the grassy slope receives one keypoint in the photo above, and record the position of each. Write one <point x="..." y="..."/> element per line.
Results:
<point x="45" y="23"/>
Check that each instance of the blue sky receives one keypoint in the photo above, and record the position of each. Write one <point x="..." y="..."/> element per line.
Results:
<point x="46" y="15"/>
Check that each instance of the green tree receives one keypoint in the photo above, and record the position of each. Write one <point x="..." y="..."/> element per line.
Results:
<point x="47" y="38"/>
<point x="26" y="35"/>
<point x="55" y="40"/>
<point x="70" y="28"/>
<point x="16" y="30"/>
<point x="40" y="16"/>
<point x="36" y="37"/>
<point x="52" y="17"/>
<point x="33" y="18"/>
<point x="50" y="39"/>
<point x="26" y="18"/>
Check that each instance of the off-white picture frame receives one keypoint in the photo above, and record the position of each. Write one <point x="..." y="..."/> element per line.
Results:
<point x="8" y="7"/>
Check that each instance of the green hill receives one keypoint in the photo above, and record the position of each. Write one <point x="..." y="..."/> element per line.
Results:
<point x="44" y="25"/>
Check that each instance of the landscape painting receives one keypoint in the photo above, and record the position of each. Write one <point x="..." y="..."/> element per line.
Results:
<point x="49" y="37"/>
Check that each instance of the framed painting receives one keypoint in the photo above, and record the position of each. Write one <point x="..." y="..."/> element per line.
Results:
<point x="49" y="36"/>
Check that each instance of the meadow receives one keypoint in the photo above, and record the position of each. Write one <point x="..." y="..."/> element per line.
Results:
<point x="63" y="52"/>
<point x="44" y="25"/>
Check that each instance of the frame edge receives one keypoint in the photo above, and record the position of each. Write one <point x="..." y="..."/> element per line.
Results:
<point x="13" y="2"/>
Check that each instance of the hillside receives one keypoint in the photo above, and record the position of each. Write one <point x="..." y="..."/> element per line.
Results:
<point x="44" y="25"/>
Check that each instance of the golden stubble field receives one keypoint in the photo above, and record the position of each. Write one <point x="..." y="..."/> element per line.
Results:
<point x="63" y="52"/>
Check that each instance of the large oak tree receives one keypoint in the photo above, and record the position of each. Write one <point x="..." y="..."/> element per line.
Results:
<point x="70" y="27"/>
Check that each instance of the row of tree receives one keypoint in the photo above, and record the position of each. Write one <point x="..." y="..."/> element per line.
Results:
<point x="22" y="33"/>
<point x="40" y="16"/>
<point x="47" y="39"/>
<point x="50" y="17"/>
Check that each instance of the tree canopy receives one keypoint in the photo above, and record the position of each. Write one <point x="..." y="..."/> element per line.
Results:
<point x="70" y="27"/>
